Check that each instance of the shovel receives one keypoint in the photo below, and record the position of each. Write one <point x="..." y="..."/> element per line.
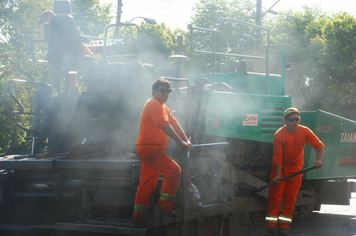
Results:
<point x="246" y="186"/>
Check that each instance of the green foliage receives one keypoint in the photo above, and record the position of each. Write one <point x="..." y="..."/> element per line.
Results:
<point x="230" y="38"/>
<point x="209" y="13"/>
<point x="91" y="17"/>
<point x="157" y="43"/>
<point x="320" y="47"/>
<point x="18" y="27"/>
<point x="18" y="21"/>
<point x="291" y="35"/>
<point x="339" y="34"/>
<point x="321" y="50"/>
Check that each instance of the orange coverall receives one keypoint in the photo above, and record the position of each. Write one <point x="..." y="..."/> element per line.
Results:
<point x="151" y="146"/>
<point x="288" y="151"/>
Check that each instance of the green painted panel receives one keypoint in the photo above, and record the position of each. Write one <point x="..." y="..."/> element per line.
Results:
<point x="339" y="136"/>
<point x="244" y="116"/>
<point x="251" y="83"/>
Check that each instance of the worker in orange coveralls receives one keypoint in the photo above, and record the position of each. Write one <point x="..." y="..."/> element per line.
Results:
<point x="288" y="152"/>
<point x="157" y="124"/>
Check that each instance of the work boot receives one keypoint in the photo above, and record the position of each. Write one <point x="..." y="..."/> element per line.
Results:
<point x="139" y="224"/>
<point x="282" y="232"/>
<point x="140" y="220"/>
<point x="271" y="230"/>
<point x="166" y="213"/>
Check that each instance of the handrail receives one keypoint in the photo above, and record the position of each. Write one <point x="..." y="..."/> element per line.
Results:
<point x="33" y="41"/>
<point x="214" y="53"/>
<point x="180" y="80"/>
<point x="21" y="112"/>
<point x="118" y="25"/>
<point x="12" y="144"/>
<point x="183" y="165"/>
<point x="35" y="84"/>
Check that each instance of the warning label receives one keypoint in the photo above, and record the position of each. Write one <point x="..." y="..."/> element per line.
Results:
<point x="250" y="120"/>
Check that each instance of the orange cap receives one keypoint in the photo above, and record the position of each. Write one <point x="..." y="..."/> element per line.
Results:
<point x="291" y="110"/>
<point x="45" y="16"/>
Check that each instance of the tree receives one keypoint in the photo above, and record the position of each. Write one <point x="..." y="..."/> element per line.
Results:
<point x="18" y="23"/>
<point x="17" y="19"/>
<point x="339" y="65"/>
<point x="157" y="43"/>
<point x="231" y="38"/>
<point x="321" y="50"/>
<point x="340" y="34"/>
<point x="320" y="47"/>
<point x="91" y="17"/>
<point x="292" y="35"/>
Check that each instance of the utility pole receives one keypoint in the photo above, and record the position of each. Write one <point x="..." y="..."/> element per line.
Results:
<point x="258" y="37"/>
<point x="118" y="18"/>
<point x="258" y="34"/>
<point x="259" y="12"/>
<point x="259" y="16"/>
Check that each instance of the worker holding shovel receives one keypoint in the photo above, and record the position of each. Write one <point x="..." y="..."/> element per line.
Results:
<point x="288" y="146"/>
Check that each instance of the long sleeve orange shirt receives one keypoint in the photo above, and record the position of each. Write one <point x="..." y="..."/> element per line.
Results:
<point x="154" y="116"/>
<point x="288" y="149"/>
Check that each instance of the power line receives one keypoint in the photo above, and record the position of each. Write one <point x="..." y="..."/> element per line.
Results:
<point x="164" y="8"/>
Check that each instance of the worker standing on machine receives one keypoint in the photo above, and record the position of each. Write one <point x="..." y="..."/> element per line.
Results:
<point x="157" y="124"/>
<point x="288" y="146"/>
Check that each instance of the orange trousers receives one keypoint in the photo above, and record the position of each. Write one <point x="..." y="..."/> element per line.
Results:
<point x="286" y="190"/>
<point x="155" y="162"/>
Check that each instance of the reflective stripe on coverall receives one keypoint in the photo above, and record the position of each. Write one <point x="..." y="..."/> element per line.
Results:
<point x="289" y="189"/>
<point x="155" y="161"/>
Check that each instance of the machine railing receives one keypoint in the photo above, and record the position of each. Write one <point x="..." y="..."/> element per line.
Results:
<point x="36" y="111"/>
<point x="179" y="92"/>
<point x="184" y="162"/>
<point x="106" y="40"/>
<point x="33" y="55"/>
<point x="215" y="53"/>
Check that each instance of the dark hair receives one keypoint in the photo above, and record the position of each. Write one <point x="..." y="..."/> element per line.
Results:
<point x="160" y="82"/>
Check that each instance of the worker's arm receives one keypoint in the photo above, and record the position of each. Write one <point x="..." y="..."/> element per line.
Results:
<point x="179" y="130"/>
<point x="318" y="145"/>
<point x="277" y="177"/>
<point x="277" y="159"/>
<point x="319" y="156"/>
<point x="184" y="144"/>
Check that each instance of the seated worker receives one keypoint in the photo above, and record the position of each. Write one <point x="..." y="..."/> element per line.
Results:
<point x="62" y="37"/>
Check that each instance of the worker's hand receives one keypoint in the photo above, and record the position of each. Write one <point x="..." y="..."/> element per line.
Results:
<point x="277" y="180"/>
<point x="318" y="164"/>
<point x="190" y="146"/>
<point x="186" y="146"/>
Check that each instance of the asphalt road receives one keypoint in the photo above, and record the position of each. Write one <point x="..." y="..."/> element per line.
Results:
<point x="331" y="220"/>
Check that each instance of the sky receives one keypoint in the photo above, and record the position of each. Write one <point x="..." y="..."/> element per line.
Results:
<point x="177" y="13"/>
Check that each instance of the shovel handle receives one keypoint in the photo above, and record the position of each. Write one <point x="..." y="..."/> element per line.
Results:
<point x="289" y="176"/>
<point x="297" y="173"/>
